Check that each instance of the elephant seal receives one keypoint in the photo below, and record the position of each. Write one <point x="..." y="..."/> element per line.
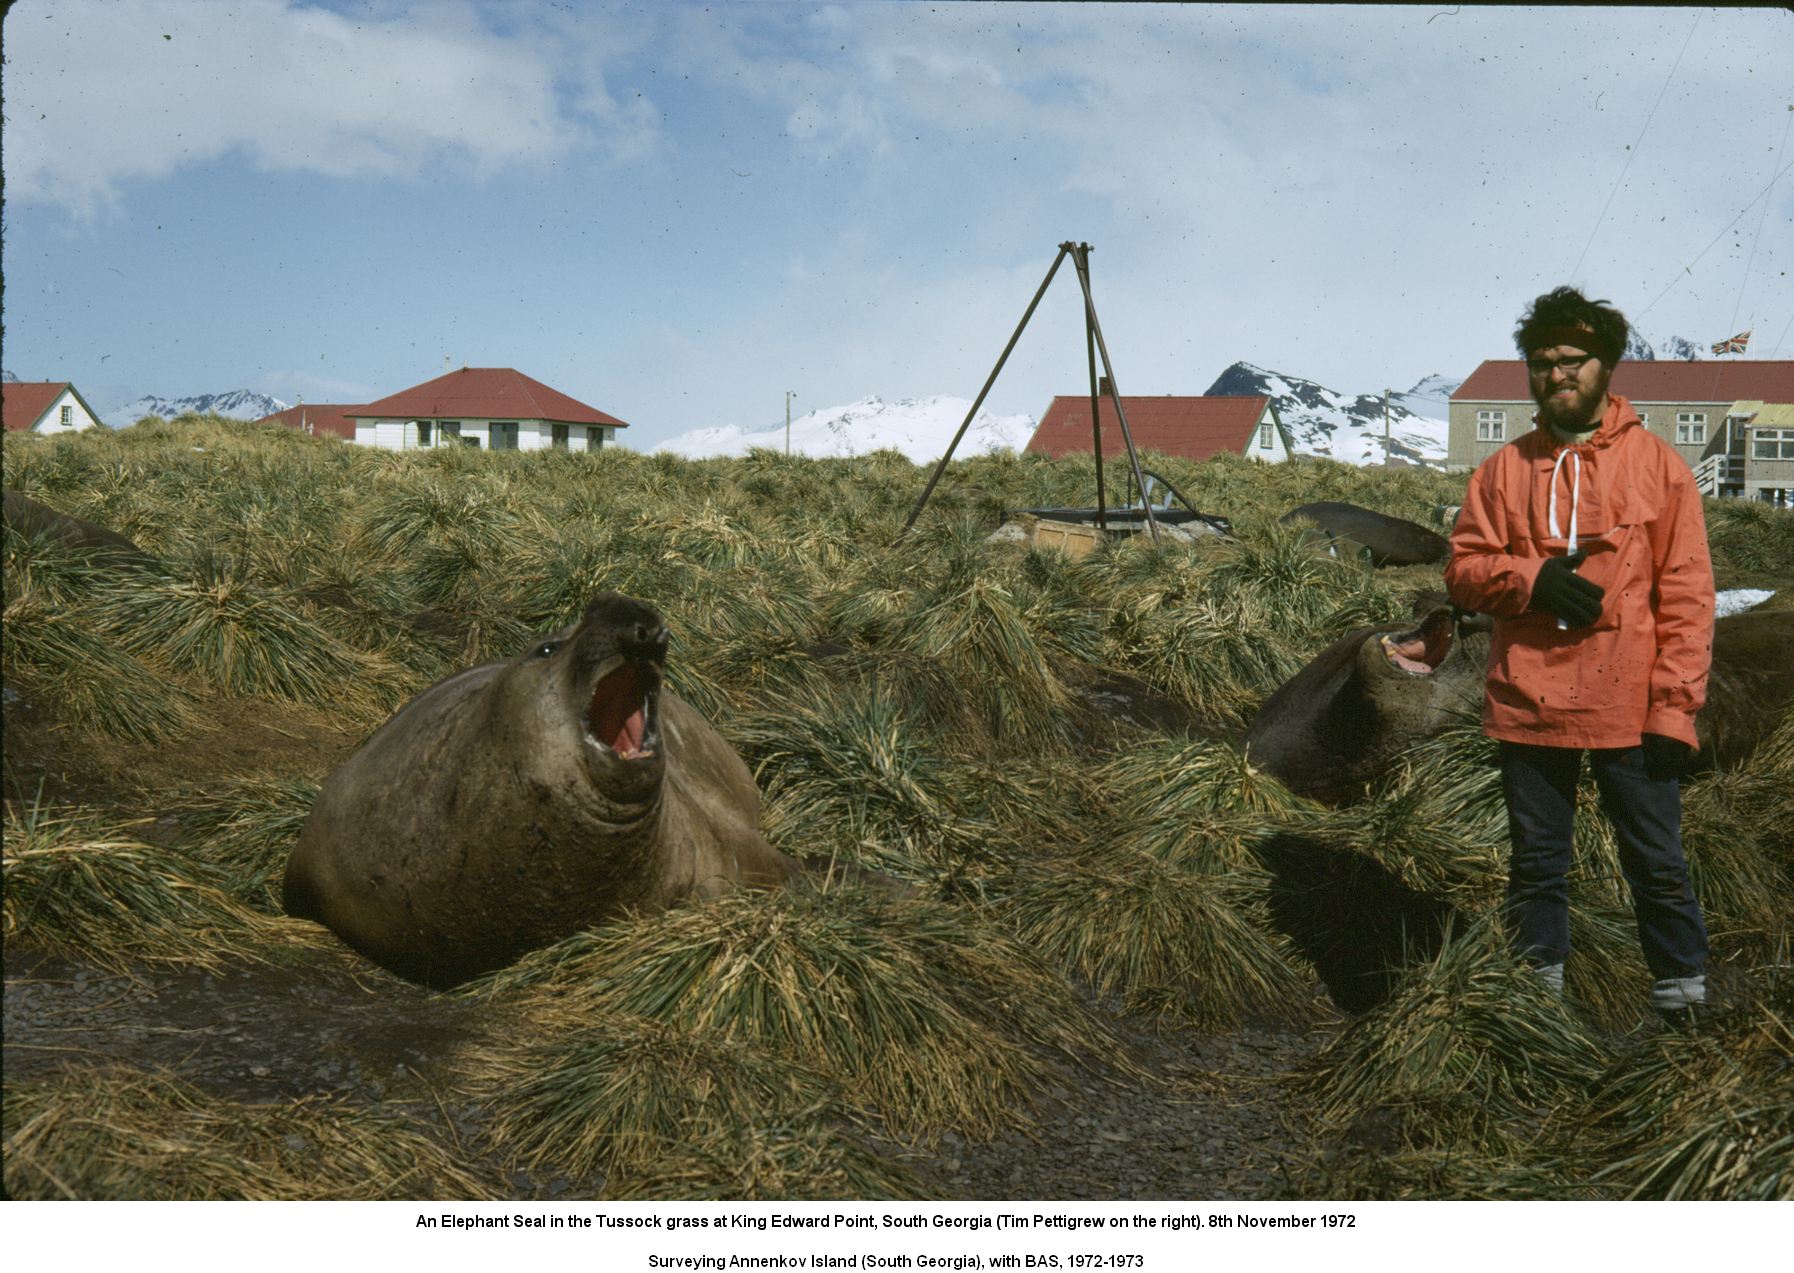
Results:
<point x="1338" y="724"/>
<point x="25" y="516"/>
<point x="518" y="802"/>
<point x="1388" y="541"/>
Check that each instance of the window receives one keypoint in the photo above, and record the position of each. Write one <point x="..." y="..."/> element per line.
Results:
<point x="1772" y="444"/>
<point x="1264" y="437"/>
<point x="472" y="441"/>
<point x="1691" y="427"/>
<point x="423" y="433"/>
<point x="504" y="436"/>
<point x="1491" y="426"/>
<point x="558" y="436"/>
<point x="594" y="438"/>
<point x="1644" y="418"/>
<point x="68" y="417"/>
<point x="448" y="430"/>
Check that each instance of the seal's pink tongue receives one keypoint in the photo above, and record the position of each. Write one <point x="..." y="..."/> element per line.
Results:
<point x="615" y="713"/>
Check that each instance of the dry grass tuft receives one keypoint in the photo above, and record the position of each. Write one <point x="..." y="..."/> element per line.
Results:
<point x="757" y="1163"/>
<point x="923" y="1014"/>
<point x="80" y="885"/>
<point x="116" y="1134"/>
<point x="1471" y="1052"/>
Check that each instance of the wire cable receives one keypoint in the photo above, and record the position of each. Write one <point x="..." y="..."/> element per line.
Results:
<point x="1632" y="151"/>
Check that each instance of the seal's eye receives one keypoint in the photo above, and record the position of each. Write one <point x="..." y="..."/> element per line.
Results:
<point x="546" y="649"/>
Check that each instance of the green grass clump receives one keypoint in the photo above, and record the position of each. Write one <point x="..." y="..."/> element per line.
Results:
<point x="63" y="657"/>
<point x="1171" y="936"/>
<point x="116" y="1134"/>
<point x="1471" y="1052"/>
<point x="79" y="885"/>
<point x="246" y="830"/>
<point x="921" y="1013"/>
<point x="619" y="1092"/>
<point x="237" y="637"/>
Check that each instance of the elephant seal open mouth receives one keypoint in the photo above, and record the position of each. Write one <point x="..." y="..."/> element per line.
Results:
<point x="518" y="802"/>
<point x="1337" y="725"/>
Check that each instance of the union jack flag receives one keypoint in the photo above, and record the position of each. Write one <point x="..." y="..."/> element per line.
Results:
<point x="1733" y="346"/>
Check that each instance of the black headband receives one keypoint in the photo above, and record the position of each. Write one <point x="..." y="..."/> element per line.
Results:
<point x="1576" y="338"/>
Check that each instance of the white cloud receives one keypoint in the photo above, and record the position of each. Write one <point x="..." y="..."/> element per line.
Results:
<point x="102" y="94"/>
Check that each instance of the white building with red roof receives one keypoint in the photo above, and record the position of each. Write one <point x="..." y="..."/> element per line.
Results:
<point x="1192" y="427"/>
<point x="45" y="406"/>
<point x="496" y="408"/>
<point x="1731" y="420"/>
<point x="317" y="419"/>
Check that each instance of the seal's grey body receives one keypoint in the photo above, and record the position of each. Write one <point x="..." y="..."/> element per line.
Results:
<point x="1389" y="541"/>
<point x="518" y="802"/>
<point x="27" y="516"/>
<point x="1338" y="724"/>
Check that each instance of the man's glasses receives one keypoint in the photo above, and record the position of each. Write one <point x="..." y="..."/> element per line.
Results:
<point x="1543" y="367"/>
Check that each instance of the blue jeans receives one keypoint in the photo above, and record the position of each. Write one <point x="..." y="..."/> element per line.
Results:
<point x="1540" y="786"/>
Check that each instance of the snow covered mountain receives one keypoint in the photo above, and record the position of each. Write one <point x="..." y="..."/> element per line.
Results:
<point x="238" y="404"/>
<point x="1674" y="349"/>
<point x="1323" y="422"/>
<point x="921" y="428"/>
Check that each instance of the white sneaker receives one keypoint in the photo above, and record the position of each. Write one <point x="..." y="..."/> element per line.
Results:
<point x="1675" y="993"/>
<point x="1553" y="977"/>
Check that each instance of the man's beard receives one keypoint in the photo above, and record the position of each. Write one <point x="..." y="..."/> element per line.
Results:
<point x="1577" y="413"/>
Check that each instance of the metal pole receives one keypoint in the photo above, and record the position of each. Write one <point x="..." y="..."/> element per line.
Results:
<point x="1096" y="428"/>
<point x="967" y="422"/>
<point x="1385" y="426"/>
<point x="1082" y="261"/>
<point x="788" y="396"/>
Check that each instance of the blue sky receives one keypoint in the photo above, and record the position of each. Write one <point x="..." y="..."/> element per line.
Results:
<point x="678" y="212"/>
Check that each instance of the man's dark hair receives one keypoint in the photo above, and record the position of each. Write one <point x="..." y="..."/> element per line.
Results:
<point x="1564" y="310"/>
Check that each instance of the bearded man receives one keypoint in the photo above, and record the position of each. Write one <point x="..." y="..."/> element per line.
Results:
<point x="1584" y="539"/>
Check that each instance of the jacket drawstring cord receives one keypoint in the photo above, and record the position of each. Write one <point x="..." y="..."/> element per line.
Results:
<point x="1575" y="498"/>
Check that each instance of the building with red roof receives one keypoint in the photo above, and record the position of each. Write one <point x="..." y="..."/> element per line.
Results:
<point x="1727" y="418"/>
<point x="1192" y="428"/>
<point x="497" y="408"/>
<point x="320" y="419"/>
<point x="45" y="406"/>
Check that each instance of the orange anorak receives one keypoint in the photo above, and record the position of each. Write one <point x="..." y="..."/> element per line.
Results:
<point x="1630" y="500"/>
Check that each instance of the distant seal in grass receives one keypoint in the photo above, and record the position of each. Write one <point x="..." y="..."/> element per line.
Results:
<point x="1339" y="723"/>
<point x="518" y="802"/>
<point x="1389" y="541"/>
<point x="26" y="516"/>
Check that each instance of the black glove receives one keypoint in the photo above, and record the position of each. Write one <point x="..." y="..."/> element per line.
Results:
<point x="1565" y="593"/>
<point x="1665" y="757"/>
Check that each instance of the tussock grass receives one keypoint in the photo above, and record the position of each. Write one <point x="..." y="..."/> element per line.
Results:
<point x="245" y="830"/>
<point x="924" y="1014"/>
<point x="907" y="707"/>
<point x="116" y="1134"/>
<point x="236" y="636"/>
<point x="756" y="1163"/>
<point x="63" y="656"/>
<point x="619" y="1092"/>
<point x="1750" y="536"/>
<point x="80" y="885"/>
<point x="1471" y="1052"/>
<point x="1736" y="831"/>
<point x="846" y="773"/>
<point x="1708" y="1115"/>
<point x="1168" y="936"/>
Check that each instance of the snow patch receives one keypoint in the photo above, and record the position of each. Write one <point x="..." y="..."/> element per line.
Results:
<point x="920" y="428"/>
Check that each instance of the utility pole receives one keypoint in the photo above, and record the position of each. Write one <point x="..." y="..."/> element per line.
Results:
<point x="1386" y="392"/>
<point x="789" y="395"/>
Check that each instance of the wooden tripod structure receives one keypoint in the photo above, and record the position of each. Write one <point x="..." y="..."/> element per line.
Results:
<point x="1093" y="345"/>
